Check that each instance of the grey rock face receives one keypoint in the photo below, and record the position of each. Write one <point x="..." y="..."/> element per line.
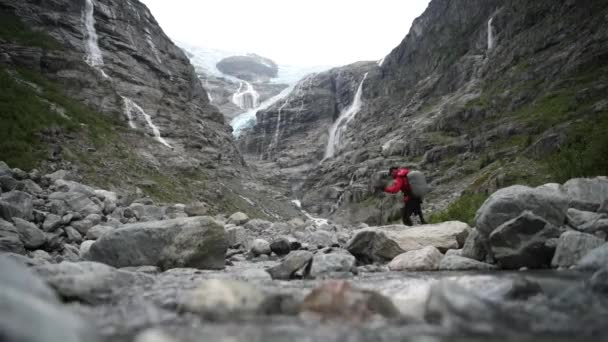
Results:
<point x="198" y="242"/>
<point x="370" y="245"/>
<point x="333" y="262"/>
<point x="587" y="192"/>
<point x="572" y="246"/>
<point x="30" y="235"/>
<point x="459" y="263"/>
<point x="522" y="242"/>
<point x="509" y="203"/>
<point x="33" y="304"/>
<point x="475" y="246"/>
<point x="425" y="259"/>
<point x="89" y="282"/>
<point x="16" y="204"/>
<point x="594" y="259"/>
<point x="291" y="264"/>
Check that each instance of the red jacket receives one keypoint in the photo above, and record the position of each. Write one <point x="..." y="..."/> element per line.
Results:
<point x="401" y="183"/>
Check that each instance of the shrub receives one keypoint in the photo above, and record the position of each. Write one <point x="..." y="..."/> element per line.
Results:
<point x="463" y="209"/>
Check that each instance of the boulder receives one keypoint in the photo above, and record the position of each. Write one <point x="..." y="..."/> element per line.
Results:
<point x="522" y="242"/>
<point x="281" y="246"/>
<point x="85" y="247"/>
<point x="237" y="237"/>
<point x="572" y="246"/>
<point x="260" y="247"/>
<point x="322" y="238"/>
<point x="587" y="193"/>
<point x="584" y="220"/>
<point x="338" y="300"/>
<point x="238" y="218"/>
<point x="219" y="299"/>
<point x="30" y="235"/>
<point x="595" y="259"/>
<point x="31" y="187"/>
<point x="70" y="186"/>
<point x="59" y="174"/>
<point x="291" y="264"/>
<point x="599" y="282"/>
<point x="16" y="204"/>
<point x="148" y="212"/>
<point x="82" y="226"/>
<point x="197" y="242"/>
<point x="371" y="245"/>
<point x="506" y="204"/>
<point x="72" y="234"/>
<point x="52" y="222"/>
<point x="89" y="282"/>
<point x="196" y="209"/>
<point x="98" y="231"/>
<point x="8" y="183"/>
<point x="7" y="229"/>
<point x="459" y="263"/>
<point x="11" y="244"/>
<point x="35" y="312"/>
<point x="74" y="201"/>
<point x="443" y="236"/>
<point x="475" y="246"/>
<point x="333" y="262"/>
<point x="425" y="259"/>
<point x="257" y="225"/>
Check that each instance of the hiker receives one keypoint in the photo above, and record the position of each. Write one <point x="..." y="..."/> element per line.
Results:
<point x="411" y="202"/>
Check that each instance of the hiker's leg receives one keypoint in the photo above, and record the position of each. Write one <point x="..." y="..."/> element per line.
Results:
<point x="419" y="211"/>
<point x="405" y="216"/>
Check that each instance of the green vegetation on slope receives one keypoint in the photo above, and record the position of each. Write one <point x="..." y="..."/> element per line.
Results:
<point x="463" y="209"/>
<point x="14" y="30"/>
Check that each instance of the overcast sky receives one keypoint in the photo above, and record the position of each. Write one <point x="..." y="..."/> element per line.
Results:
<point x="302" y="32"/>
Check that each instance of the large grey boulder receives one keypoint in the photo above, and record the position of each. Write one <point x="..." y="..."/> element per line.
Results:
<point x="595" y="259"/>
<point x="197" y="242"/>
<point x="425" y="259"/>
<point x="32" y="312"/>
<point x="587" y="221"/>
<point x="75" y="201"/>
<point x="11" y="244"/>
<point x="292" y="263"/>
<point x="89" y="282"/>
<point x="475" y="246"/>
<point x="281" y="246"/>
<point x="98" y="231"/>
<point x="459" y="263"/>
<point x="587" y="193"/>
<point x="523" y="242"/>
<point x="572" y="246"/>
<point x="260" y="246"/>
<point x="52" y="222"/>
<point x="16" y="204"/>
<point x="237" y="236"/>
<point x="371" y="245"/>
<point x="238" y="218"/>
<point x="30" y="235"/>
<point x="546" y="201"/>
<point x="335" y="261"/>
<point x="443" y="236"/>
<point x="322" y="238"/>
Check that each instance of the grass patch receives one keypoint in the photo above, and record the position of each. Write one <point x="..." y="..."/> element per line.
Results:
<point x="14" y="30"/>
<point x="463" y="209"/>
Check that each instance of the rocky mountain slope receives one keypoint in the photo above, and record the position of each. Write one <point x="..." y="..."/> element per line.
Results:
<point x="97" y="88"/>
<point x="479" y="95"/>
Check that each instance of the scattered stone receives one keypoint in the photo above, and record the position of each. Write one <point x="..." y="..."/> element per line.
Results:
<point x="257" y="225"/>
<point x="31" y="187"/>
<point x="217" y="299"/>
<point x="16" y="204"/>
<point x="599" y="282"/>
<point x="339" y="300"/>
<point x="60" y="174"/>
<point x="11" y="244"/>
<point x="74" y="201"/>
<point x="506" y="204"/>
<point x="93" y="218"/>
<point x="85" y="246"/>
<point x="72" y="234"/>
<point x="8" y="183"/>
<point x="425" y="259"/>
<point x="42" y="257"/>
<point x="67" y="218"/>
<point x="98" y="231"/>
<point x="52" y="222"/>
<point x="291" y="264"/>
<point x="572" y="246"/>
<point x="196" y="209"/>
<point x="281" y="246"/>
<point x="237" y="237"/>
<point x="82" y="226"/>
<point x="238" y="218"/>
<point x="260" y="247"/>
<point x="7" y="229"/>
<point x="198" y="242"/>
<point x="29" y="234"/>
<point x="69" y="253"/>
<point x="322" y="238"/>
<point x="522" y="242"/>
<point x="595" y="259"/>
<point x="335" y="262"/>
<point x="459" y="263"/>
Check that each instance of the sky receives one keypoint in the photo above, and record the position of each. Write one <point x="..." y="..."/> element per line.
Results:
<point x="302" y="32"/>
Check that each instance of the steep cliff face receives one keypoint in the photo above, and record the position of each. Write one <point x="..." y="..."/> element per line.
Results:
<point x="479" y="95"/>
<point x="161" y="135"/>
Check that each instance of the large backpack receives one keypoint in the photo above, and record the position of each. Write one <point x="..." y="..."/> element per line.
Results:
<point x="419" y="186"/>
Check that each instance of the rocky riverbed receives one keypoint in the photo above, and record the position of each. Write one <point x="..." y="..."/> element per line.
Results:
<point x="85" y="264"/>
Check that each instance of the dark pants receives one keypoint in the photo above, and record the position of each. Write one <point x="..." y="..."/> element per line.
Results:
<point x="412" y="207"/>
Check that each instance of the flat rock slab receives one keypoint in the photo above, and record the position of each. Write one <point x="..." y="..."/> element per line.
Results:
<point x="196" y="242"/>
<point x="425" y="259"/>
<point x="443" y="236"/>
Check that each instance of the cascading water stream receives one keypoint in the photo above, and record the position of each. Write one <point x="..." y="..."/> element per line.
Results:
<point x="246" y="99"/>
<point x="248" y="118"/>
<point x="278" y="129"/>
<point x="491" y="40"/>
<point x="339" y="127"/>
<point x="94" y="58"/>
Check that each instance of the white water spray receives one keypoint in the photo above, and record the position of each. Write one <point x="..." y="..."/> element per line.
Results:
<point x="278" y="129"/>
<point x="491" y="40"/>
<point x="131" y="108"/>
<point x="248" y="118"/>
<point x="246" y="99"/>
<point x="94" y="57"/>
<point x="339" y="127"/>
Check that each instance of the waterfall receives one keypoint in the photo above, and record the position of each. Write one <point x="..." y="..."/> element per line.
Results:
<point x="491" y="42"/>
<point x="153" y="46"/>
<point x="246" y="99"/>
<point x="340" y="125"/>
<point x="278" y="129"/>
<point x="94" y="57"/>
<point x="381" y="61"/>
<point x="130" y="107"/>
<point x="248" y="118"/>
